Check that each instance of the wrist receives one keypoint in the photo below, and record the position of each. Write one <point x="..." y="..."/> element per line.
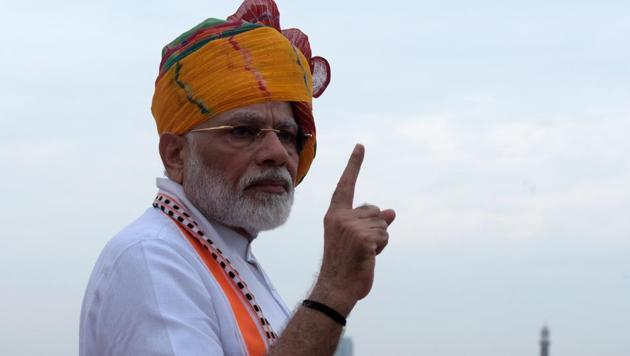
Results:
<point x="326" y="310"/>
<point x="335" y="299"/>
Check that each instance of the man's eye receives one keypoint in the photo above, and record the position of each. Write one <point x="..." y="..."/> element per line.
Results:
<point x="286" y="136"/>
<point x="243" y="132"/>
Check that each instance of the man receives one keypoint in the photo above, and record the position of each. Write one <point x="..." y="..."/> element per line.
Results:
<point x="233" y="109"/>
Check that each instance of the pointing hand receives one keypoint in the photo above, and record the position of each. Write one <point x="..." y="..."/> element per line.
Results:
<point x="353" y="237"/>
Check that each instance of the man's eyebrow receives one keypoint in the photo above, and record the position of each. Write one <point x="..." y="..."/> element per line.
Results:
<point x="251" y="118"/>
<point x="244" y="118"/>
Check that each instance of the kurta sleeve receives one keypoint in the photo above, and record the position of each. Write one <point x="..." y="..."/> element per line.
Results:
<point x="151" y="301"/>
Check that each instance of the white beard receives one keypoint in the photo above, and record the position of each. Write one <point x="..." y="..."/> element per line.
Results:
<point x="211" y="193"/>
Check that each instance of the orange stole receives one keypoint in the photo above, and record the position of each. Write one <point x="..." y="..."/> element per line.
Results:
<point x="248" y="327"/>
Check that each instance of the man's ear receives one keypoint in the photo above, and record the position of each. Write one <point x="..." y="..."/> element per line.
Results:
<point x="173" y="153"/>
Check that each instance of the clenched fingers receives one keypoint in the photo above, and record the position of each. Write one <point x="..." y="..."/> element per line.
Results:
<point x="367" y="211"/>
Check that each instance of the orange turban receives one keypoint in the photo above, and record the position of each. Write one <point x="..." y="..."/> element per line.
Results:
<point x="222" y="65"/>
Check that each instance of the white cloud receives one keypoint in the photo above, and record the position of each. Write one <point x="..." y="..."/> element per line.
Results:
<point x="433" y="134"/>
<point x="508" y="179"/>
<point x="24" y="152"/>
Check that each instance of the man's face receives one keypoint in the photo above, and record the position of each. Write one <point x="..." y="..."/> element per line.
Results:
<point x="240" y="182"/>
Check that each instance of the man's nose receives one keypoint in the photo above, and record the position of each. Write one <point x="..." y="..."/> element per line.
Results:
<point x="270" y="150"/>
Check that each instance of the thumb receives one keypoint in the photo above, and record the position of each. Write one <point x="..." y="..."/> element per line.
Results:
<point x="388" y="215"/>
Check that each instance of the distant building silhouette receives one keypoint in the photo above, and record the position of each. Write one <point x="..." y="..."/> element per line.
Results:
<point x="345" y="347"/>
<point x="544" y="341"/>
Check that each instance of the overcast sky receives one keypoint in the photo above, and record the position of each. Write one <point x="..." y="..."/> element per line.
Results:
<point x="498" y="130"/>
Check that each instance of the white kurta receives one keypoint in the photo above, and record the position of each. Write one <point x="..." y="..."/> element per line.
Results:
<point x="150" y="293"/>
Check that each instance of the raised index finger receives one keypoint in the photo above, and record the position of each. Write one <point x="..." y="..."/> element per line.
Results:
<point x="344" y="193"/>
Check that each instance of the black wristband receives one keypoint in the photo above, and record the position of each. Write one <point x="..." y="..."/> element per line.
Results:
<point x="325" y="309"/>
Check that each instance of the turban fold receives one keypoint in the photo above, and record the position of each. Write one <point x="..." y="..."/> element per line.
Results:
<point x="220" y="65"/>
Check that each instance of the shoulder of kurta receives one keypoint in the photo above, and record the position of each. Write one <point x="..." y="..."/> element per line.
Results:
<point x="149" y="243"/>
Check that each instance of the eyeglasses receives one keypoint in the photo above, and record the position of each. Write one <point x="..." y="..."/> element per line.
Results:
<point x="243" y="136"/>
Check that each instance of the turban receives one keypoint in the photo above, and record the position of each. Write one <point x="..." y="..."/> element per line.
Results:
<point x="220" y="65"/>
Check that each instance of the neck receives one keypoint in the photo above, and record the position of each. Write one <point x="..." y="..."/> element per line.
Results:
<point x="242" y="232"/>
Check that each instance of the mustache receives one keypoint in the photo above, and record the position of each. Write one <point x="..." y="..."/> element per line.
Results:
<point x="274" y="174"/>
